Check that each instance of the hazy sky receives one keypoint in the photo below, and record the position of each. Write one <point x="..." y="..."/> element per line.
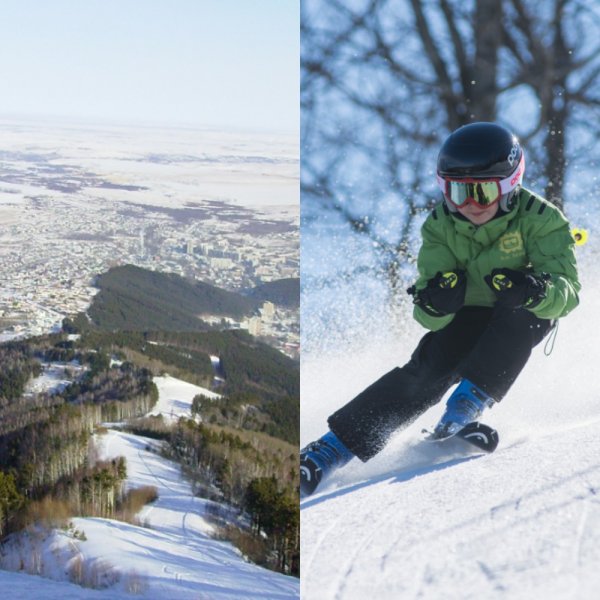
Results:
<point x="205" y="62"/>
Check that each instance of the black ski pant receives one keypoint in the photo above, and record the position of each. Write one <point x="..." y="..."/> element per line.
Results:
<point x="488" y="346"/>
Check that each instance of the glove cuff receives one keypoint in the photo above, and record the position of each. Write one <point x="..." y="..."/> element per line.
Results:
<point x="536" y="289"/>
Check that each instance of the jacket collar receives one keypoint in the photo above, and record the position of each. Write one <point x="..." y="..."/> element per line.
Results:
<point x="489" y="232"/>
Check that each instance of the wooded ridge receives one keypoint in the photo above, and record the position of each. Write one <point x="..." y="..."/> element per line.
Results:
<point x="133" y="298"/>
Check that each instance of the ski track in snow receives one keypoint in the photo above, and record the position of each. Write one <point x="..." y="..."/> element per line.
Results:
<point x="378" y="538"/>
<point x="200" y="563"/>
<point x="431" y="521"/>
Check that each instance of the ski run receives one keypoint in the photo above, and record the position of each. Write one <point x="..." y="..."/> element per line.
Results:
<point x="174" y="554"/>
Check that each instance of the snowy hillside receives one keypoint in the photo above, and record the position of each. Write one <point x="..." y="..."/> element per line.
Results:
<point x="30" y="587"/>
<point x="424" y="521"/>
<point x="172" y="555"/>
<point x="175" y="397"/>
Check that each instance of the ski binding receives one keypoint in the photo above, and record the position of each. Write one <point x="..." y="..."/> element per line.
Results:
<point x="477" y="434"/>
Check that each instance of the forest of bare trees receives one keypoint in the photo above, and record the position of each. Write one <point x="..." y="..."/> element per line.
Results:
<point x="383" y="84"/>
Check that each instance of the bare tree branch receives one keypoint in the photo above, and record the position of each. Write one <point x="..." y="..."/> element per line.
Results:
<point x="384" y="82"/>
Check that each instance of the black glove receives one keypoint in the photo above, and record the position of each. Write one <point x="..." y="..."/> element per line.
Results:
<point x="444" y="294"/>
<point x="516" y="289"/>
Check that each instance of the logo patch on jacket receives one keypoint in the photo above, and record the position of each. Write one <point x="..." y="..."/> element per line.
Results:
<point x="511" y="243"/>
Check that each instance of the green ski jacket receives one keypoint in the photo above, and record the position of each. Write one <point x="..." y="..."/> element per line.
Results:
<point x="534" y="236"/>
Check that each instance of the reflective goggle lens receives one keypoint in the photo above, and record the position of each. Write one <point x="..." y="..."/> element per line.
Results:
<point x="483" y="193"/>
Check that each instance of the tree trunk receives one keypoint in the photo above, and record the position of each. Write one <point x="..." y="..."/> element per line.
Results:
<point x="557" y="115"/>
<point x="483" y="89"/>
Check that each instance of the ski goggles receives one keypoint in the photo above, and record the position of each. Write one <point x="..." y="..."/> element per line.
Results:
<point x="480" y="192"/>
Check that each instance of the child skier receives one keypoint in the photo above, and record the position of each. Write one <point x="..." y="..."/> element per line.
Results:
<point x="495" y="270"/>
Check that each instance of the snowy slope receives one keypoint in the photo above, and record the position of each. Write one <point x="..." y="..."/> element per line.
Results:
<point x="175" y="397"/>
<point x="173" y="555"/>
<point x="420" y="521"/>
<point x="176" y="554"/>
<point x="522" y="523"/>
<point x="18" y="586"/>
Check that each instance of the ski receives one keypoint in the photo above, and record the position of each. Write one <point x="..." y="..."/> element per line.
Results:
<point x="477" y="434"/>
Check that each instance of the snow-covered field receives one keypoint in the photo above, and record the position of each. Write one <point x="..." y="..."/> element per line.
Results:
<point x="177" y="165"/>
<point x="423" y="521"/>
<point x="175" y="397"/>
<point x="172" y="555"/>
<point x="54" y="378"/>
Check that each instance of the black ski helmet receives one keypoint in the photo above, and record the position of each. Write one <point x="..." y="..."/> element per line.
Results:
<point x="483" y="151"/>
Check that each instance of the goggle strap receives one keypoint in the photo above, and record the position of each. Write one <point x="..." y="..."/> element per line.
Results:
<point x="512" y="181"/>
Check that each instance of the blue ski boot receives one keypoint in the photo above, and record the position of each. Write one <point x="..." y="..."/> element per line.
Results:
<point x="319" y="459"/>
<point x="464" y="406"/>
